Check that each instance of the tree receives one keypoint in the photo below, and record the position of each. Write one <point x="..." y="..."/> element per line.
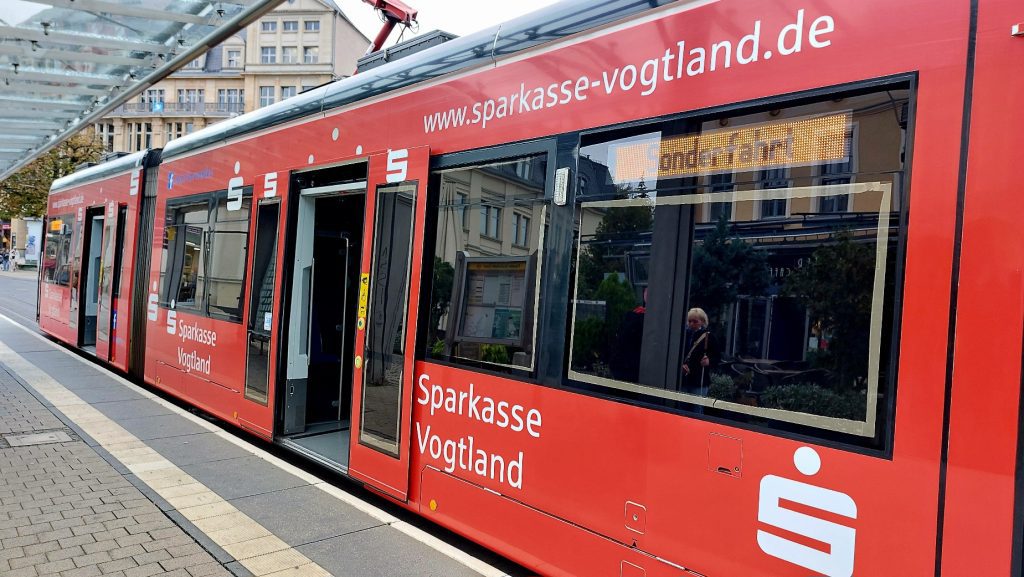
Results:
<point x="836" y="287"/>
<point x="724" y="268"/>
<point x="25" y="192"/>
<point x="620" y="229"/>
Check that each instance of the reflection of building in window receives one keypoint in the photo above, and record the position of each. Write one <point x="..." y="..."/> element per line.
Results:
<point x="490" y="221"/>
<point x="490" y="218"/>
<point x="773" y="178"/>
<point x="838" y="173"/>
<point x="719" y="210"/>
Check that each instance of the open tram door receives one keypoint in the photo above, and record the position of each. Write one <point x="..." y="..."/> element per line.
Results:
<point x="109" y="279"/>
<point x="389" y="283"/>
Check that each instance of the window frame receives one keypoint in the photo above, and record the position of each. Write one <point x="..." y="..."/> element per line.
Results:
<point x="201" y="307"/>
<point x="547" y="340"/>
<point x="885" y="410"/>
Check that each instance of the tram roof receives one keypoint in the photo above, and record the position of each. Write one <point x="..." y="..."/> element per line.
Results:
<point x="540" y="27"/>
<point x="100" y="171"/>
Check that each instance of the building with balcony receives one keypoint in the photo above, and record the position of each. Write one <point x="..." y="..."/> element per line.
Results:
<point x="299" y="45"/>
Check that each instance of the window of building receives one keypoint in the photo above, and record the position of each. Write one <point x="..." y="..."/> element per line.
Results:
<point x="190" y="99"/>
<point x="521" y="229"/>
<point x="289" y="55"/>
<point x="311" y="54"/>
<point x="312" y="25"/>
<point x="268" y="26"/>
<point x="105" y="134"/>
<point x="234" y="58"/>
<point x="716" y="211"/>
<point x="800" y="310"/>
<point x="205" y="242"/>
<point x="769" y="179"/>
<point x="268" y="55"/>
<point x="56" y="265"/>
<point x="838" y="172"/>
<point x="287" y="92"/>
<point x="230" y="99"/>
<point x="174" y="130"/>
<point x="266" y="96"/>
<point x="140" y="136"/>
<point x="195" y="63"/>
<point x="484" y="298"/>
<point x="291" y="25"/>
<point x="490" y="218"/>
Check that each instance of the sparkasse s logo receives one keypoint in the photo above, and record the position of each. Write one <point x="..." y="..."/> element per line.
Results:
<point x="840" y="539"/>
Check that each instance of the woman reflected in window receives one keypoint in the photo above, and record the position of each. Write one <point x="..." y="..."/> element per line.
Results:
<point x="702" y="353"/>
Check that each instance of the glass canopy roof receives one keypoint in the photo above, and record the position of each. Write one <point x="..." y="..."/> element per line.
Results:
<point x="66" y="63"/>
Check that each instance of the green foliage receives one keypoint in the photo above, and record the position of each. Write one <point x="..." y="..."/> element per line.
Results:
<point x="440" y="297"/>
<point x="495" y="354"/>
<point x="618" y="298"/>
<point x="594" y="337"/>
<point x="589" y="343"/>
<point x="836" y="287"/>
<point x="815" y="400"/>
<point x="598" y="259"/>
<point x="722" y="387"/>
<point x="25" y="192"/>
<point x="724" y="268"/>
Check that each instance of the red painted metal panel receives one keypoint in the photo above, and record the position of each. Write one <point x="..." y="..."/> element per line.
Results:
<point x="983" y="424"/>
<point x="387" y="473"/>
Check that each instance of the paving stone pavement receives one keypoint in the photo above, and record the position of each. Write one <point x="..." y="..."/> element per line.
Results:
<point x="66" y="511"/>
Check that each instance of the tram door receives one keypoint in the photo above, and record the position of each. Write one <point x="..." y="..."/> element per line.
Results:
<point x="328" y="246"/>
<point x="89" y="284"/>
<point x="386" y="324"/>
<point x="109" y="278"/>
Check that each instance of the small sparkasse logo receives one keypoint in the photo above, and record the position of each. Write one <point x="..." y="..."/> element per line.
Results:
<point x="188" y="177"/>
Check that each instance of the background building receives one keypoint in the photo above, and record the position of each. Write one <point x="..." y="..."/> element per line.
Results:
<point x="299" y="45"/>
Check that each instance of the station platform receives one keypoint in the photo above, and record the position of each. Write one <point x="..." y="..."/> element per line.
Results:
<point x="99" y="476"/>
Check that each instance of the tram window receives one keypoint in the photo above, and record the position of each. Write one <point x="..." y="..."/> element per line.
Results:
<point x="204" y="255"/>
<point x="490" y="236"/>
<point x="229" y="245"/>
<point x="56" y="260"/>
<point x="183" y="270"/>
<point x="796" y="273"/>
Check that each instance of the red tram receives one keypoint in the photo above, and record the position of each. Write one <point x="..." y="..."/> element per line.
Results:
<point x="465" y="278"/>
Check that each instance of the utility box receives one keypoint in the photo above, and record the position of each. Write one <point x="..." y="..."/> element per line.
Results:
<point x="403" y="49"/>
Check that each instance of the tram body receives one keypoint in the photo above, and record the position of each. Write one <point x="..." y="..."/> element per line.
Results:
<point x="324" y="274"/>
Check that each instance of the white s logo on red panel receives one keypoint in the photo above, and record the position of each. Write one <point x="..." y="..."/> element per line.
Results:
<point x="398" y="165"/>
<point x="841" y="539"/>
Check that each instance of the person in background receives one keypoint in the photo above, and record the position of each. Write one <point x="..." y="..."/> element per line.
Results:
<point x="12" y="260"/>
<point x="701" y="353"/>
<point x="625" y="355"/>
